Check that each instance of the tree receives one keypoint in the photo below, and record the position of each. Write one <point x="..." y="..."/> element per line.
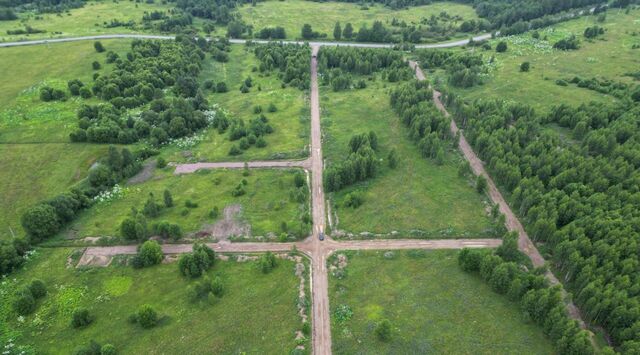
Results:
<point x="108" y="349"/>
<point x="524" y="67"/>
<point x="98" y="46"/>
<point x="383" y="330"/>
<point x="267" y="262"/>
<point x="168" y="200"/>
<point x="151" y="208"/>
<point x="348" y="31"/>
<point x="337" y="31"/>
<point x="217" y="288"/>
<point x="24" y="302"/>
<point x="307" y="31"/>
<point x="38" y="289"/>
<point x="81" y="318"/>
<point x="481" y="184"/>
<point x="501" y="47"/>
<point x="392" y="158"/>
<point x="149" y="253"/>
<point x="40" y="222"/>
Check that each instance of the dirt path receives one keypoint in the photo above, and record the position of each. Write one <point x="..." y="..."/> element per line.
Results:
<point x="512" y="222"/>
<point x="193" y="167"/>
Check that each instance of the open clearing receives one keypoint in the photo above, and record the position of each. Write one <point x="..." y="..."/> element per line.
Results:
<point x="429" y="312"/>
<point x="607" y="57"/>
<point x="290" y="138"/>
<point x="267" y="203"/>
<point x="418" y="194"/>
<point x="87" y="20"/>
<point x="293" y="14"/>
<point x="256" y="314"/>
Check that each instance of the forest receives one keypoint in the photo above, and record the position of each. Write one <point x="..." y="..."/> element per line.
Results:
<point x="580" y="201"/>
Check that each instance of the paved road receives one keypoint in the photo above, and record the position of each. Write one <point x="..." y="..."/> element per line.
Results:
<point x="192" y="168"/>
<point x="512" y="222"/>
<point x="238" y="41"/>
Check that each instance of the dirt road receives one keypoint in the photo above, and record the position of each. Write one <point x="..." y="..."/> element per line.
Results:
<point x="193" y="167"/>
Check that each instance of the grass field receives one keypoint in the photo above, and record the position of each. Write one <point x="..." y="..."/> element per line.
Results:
<point x="433" y="306"/>
<point x="290" y="122"/>
<point x="84" y="21"/>
<point x="322" y="16"/>
<point x="266" y="204"/>
<point x="256" y="314"/>
<point x="610" y="56"/>
<point x="418" y="194"/>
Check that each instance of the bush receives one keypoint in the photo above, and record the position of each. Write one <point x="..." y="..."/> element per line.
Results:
<point x="38" y="289"/>
<point x="481" y="184"/>
<point x="161" y="163"/>
<point x="272" y="107"/>
<point x="168" y="199"/>
<point x="24" y="304"/>
<point x="93" y="348"/>
<point x="524" y="67"/>
<point x="98" y="46"/>
<point x="383" y="330"/>
<point x="194" y="264"/>
<point x="96" y="65"/>
<point x="149" y="253"/>
<point x="190" y="204"/>
<point x="81" y="318"/>
<point x="214" y="212"/>
<point x="85" y="92"/>
<point x="235" y="150"/>
<point x="108" y="349"/>
<point x="40" y="222"/>
<point x="221" y="87"/>
<point x="353" y="200"/>
<point x="267" y="262"/>
<point x="501" y="47"/>
<point x="146" y="316"/>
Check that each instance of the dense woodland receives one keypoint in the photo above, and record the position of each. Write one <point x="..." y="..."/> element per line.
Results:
<point x="577" y="198"/>
<point x="291" y="61"/>
<point x="464" y="69"/>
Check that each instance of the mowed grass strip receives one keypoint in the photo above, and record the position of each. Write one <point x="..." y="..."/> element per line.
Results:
<point x="87" y="20"/>
<point x="291" y="121"/>
<point x="433" y="306"/>
<point x="293" y="14"/>
<point x="256" y="314"/>
<point x="418" y="194"/>
<point x="265" y="205"/>
<point x="609" y="56"/>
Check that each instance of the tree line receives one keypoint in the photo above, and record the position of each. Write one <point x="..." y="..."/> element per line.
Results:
<point x="581" y="199"/>
<point x="361" y="164"/>
<point x="291" y="61"/>
<point x="463" y="69"/>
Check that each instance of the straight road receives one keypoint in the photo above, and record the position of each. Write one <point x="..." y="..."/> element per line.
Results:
<point x="192" y="168"/>
<point x="239" y="41"/>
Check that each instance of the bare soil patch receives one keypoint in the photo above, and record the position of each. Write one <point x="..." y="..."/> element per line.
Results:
<point x="145" y="174"/>
<point x="229" y="226"/>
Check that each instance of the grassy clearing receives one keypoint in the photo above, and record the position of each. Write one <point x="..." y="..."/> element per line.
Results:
<point x="84" y="21"/>
<point x="290" y="122"/>
<point x="418" y="194"/>
<point x="292" y="14"/>
<point x="256" y="314"/>
<point x="32" y="172"/>
<point x="433" y="306"/>
<point x="265" y="205"/>
<point x="611" y="56"/>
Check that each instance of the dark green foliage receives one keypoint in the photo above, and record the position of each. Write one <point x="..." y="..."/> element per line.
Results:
<point x="38" y="289"/>
<point x="481" y="184"/>
<point x="198" y="262"/>
<point x="98" y="46"/>
<point x="348" y="31"/>
<point x="51" y="94"/>
<point x="81" y="318"/>
<point x="272" y="33"/>
<point x="308" y="33"/>
<point x="149" y="254"/>
<point x="501" y="47"/>
<point x="40" y="222"/>
<point x="74" y="86"/>
<point x="392" y="158"/>
<point x="151" y="207"/>
<point x="290" y="60"/>
<point x="361" y="164"/>
<point x="146" y="316"/>
<point x="593" y="32"/>
<point x="108" y="349"/>
<point x="93" y="348"/>
<point x="336" y="64"/>
<point x="24" y="303"/>
<point x="337" y="31"/>
<point x="190" y="204"/>
<point x="524" y="67"/>
<point x="353" y="200"/>
<point x="267" y="262"/>
<point x="569" y="43"/>
<point x="604" y="86"/>
<point x="165" y="229"/>
<point x="383" y="330"/>
<point x="168" y="199"/>
<point x="11" y="252"/>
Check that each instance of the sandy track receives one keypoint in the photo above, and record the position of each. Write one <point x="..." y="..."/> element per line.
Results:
<point x="193" y="167"/>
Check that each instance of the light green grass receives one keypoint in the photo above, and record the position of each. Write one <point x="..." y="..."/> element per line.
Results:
<point x="609" y="56"/>
<point x="418" y="194"/>
<point x="290" y="122"/>
<point x="322" y="16"/>
<point x="257" y="313"/>
<point x="266" y="204"/>
<point x="433" y="307"/>
<point x="84" y="21"/>
<point x="33" y="172"/>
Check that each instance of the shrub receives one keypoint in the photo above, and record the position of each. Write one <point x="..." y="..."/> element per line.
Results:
<point x="267" y="262"/>
<point x="81" y="318"/>
<point x="190" y="204"/>
<point x="221" y="87"/>
<point x="151" y="208"/>
<point x="524" y="67"/>
<point x="168" y="199"/>
<point x="96" y="65"/>
<point x="98" y="46"/>
<point x="501" y="47"/>
<point x="383" y="330"/>
<point x="353" y="200"/>
<point x="40" y="222"/>
<point x="194" y="264"/>
<point x="161" y="163"/>
<point x="93" y="348"/>
<point x="272" y="107"/>
<point x="24" y="303"/>
<point x="38" y="289"/>
<point x="85" y="92"/>
<point x="149" y="253"/>
<point x="261" y="143"/>
<point x="108" y="349"/>
<point x="235" y="150"/>
<point x="146" y="316"/>
<point x="257" y="109"/>
<point x="481" y="184"/>
<point x="217" y="288"/>
<point x="214" y="212"/>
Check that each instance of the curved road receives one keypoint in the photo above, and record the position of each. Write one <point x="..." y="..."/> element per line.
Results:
<point x="240" y="41"/>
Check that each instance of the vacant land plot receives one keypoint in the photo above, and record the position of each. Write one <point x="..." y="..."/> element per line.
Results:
<point x="256" y="314"/>
<point x="292" y="14"/>
<point x="92" y="19"/>
<point x="418" y="194"/>
<point x="290" y="122"/>
<point x="267" y="201"/>
<point x="432" y="305"/>
<point x="610" y="56"/>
